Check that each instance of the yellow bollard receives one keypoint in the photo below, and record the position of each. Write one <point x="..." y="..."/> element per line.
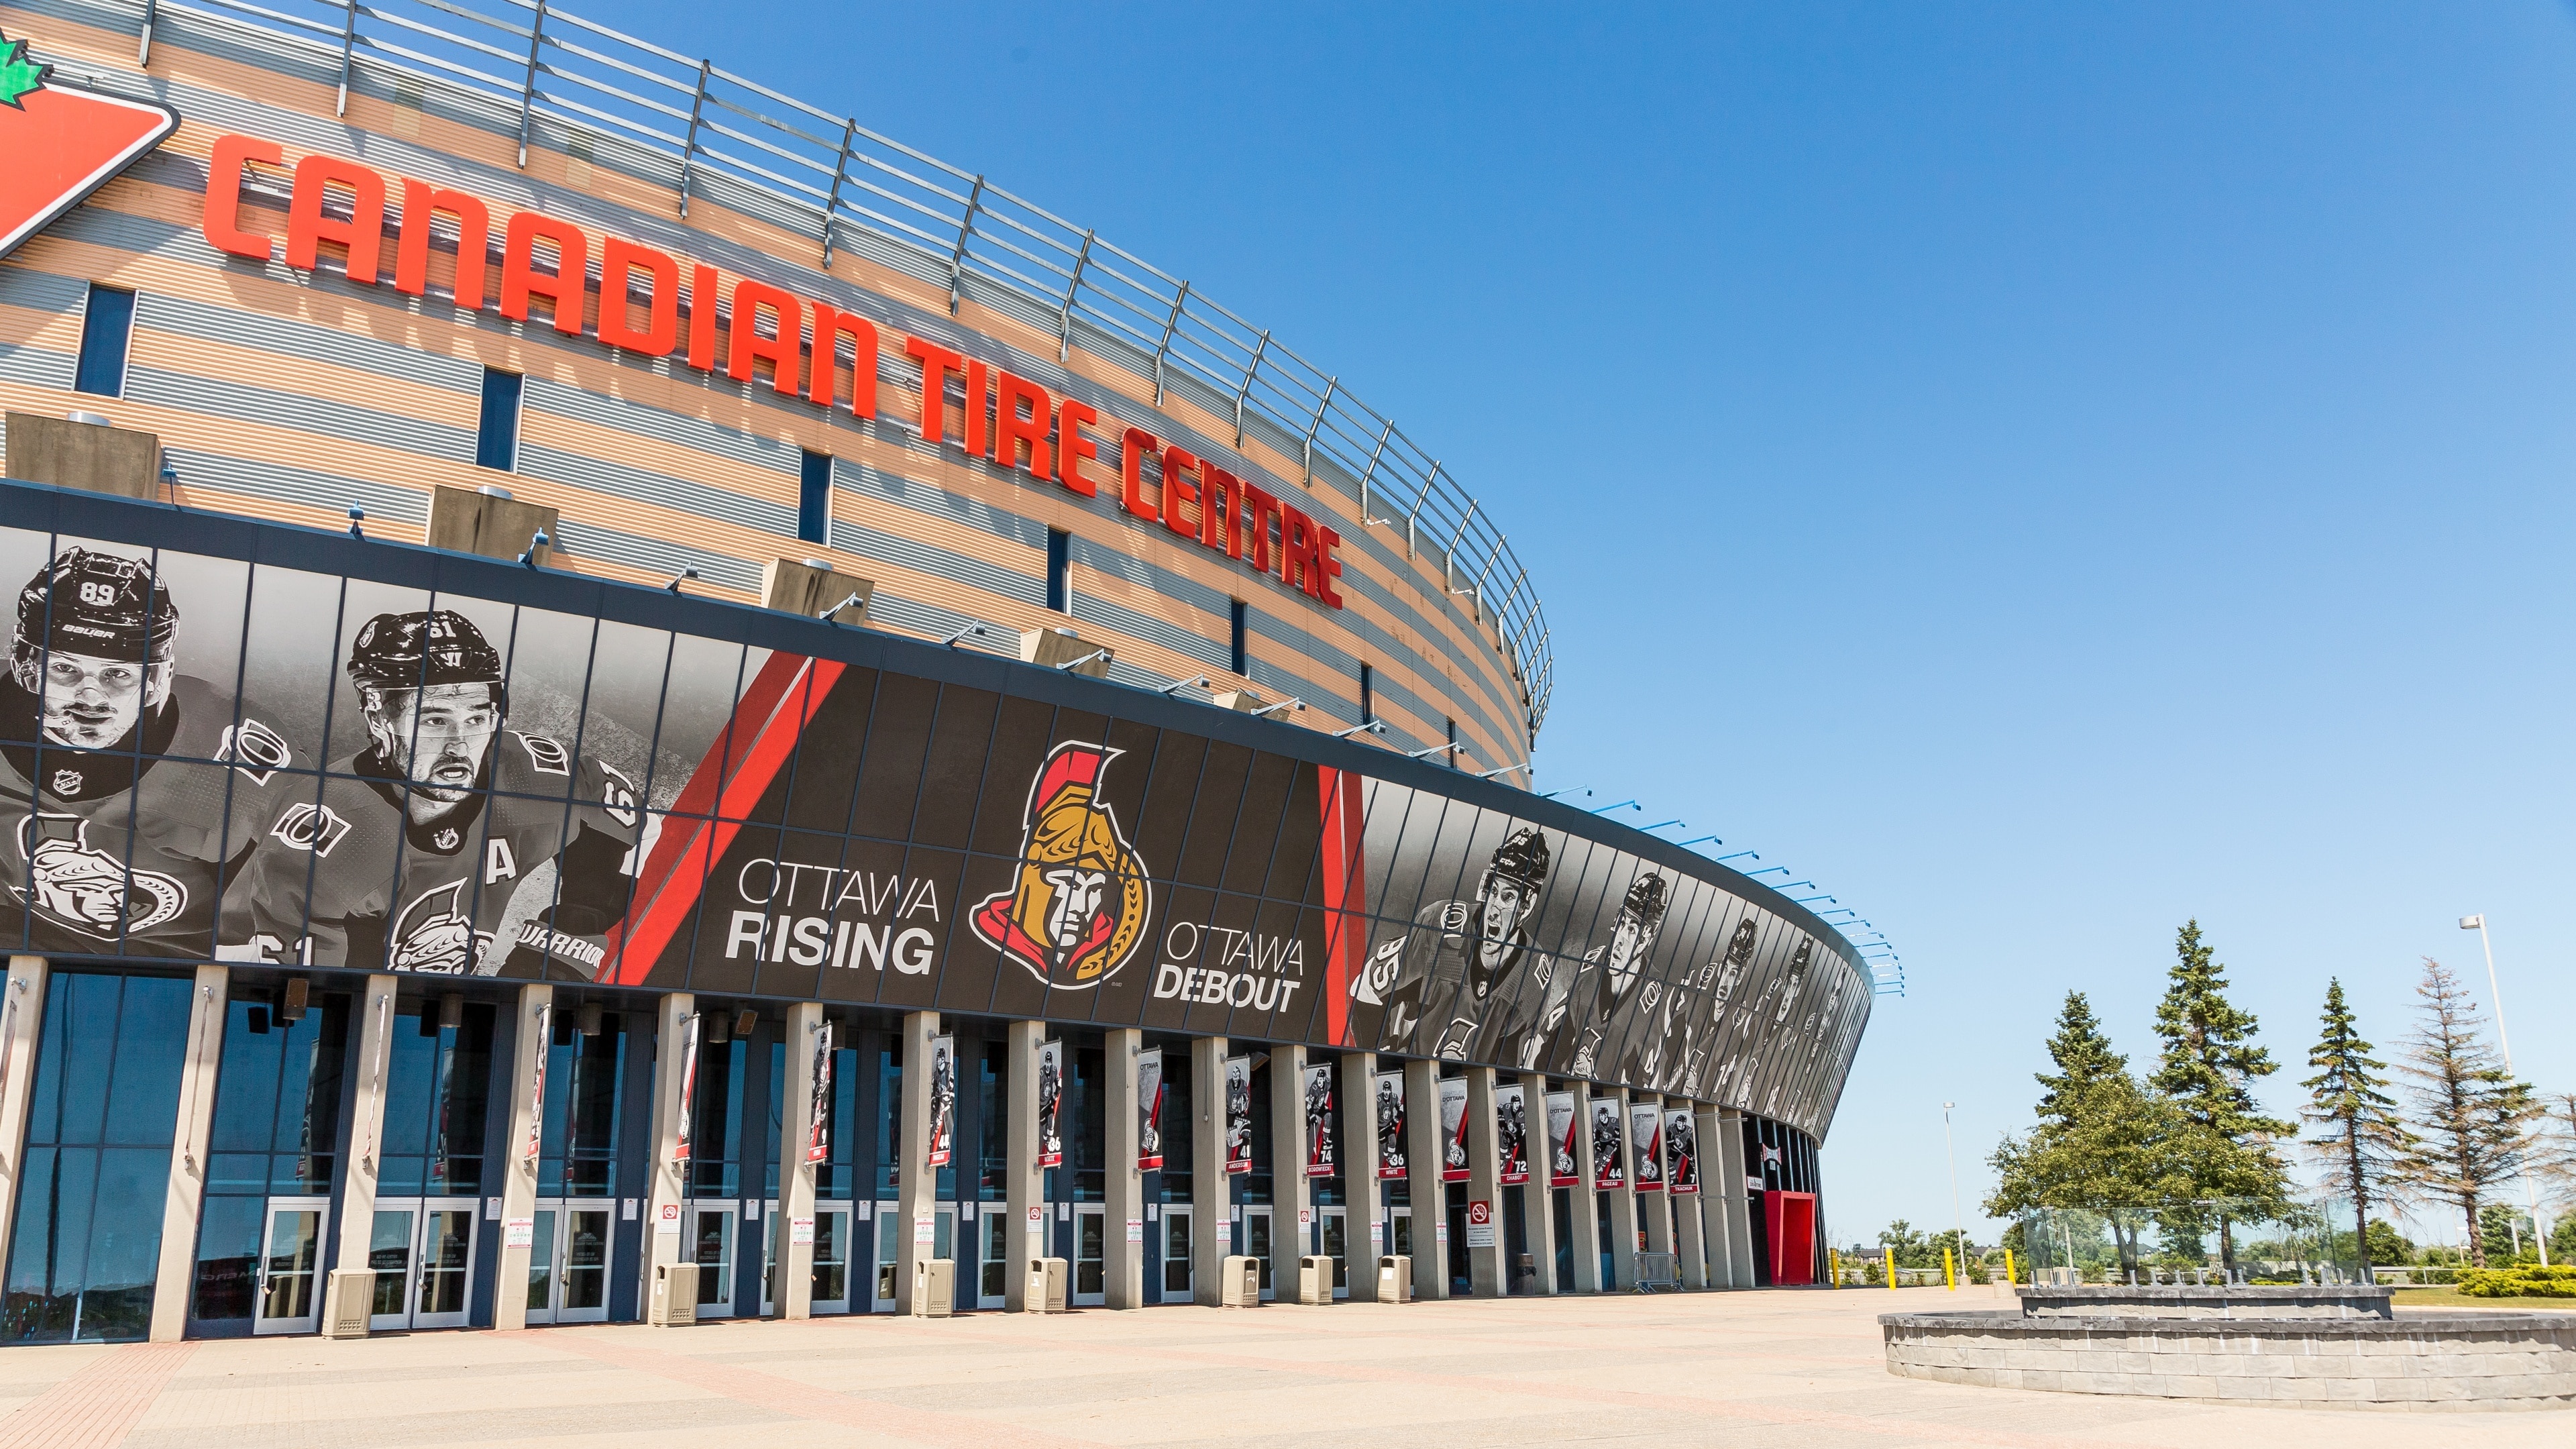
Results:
<point x="2011" y="1273"/>
<point x="1836" y="1255"/>
<point x="1949" y="1275"/>
<point x="1891" y="1267"/>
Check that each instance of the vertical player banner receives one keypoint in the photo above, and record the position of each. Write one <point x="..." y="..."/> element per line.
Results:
<point x="1564" y="1152"/>
<point x="1646" y="1135"/>
<point x="1681" y="1151"/>
<point x="1453" y="1129"/>
<point x="688" y="1088"/>
<point x="1390" y="1126"/>
<point x="543" y="1026"/>
<point x="1609" y="1154"/>
<point x="1050" y="1104"/>
<point x="818" y="1107"/>
<point x="1511" y="1136"/>
<point x="943" y="1099"/>
<point x="1238" y="1114"/>
<point x="1149" y="1110"/>
<point x="1323" y="1156"/>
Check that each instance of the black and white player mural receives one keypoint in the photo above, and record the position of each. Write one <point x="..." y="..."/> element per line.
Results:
<point x="220" y="758"/>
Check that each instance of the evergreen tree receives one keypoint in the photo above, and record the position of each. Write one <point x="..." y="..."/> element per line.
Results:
<point x="2364" y="1139"/>
<point x="2207" y="1069"/>
<point x="2102" y="1141"/>
<point x="2473" y="1121"/>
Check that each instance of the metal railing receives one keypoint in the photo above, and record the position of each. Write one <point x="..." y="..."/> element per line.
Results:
<point x="619" y="100"/>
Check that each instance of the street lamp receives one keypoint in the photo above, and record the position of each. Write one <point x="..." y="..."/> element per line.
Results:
<point x="2495" y="993"/>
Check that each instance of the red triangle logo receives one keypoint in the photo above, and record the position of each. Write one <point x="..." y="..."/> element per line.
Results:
<point x="63" y="142"/>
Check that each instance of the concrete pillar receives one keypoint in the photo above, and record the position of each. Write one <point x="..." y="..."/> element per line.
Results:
<point x="917" y="1191"/>
<point x="22" y="1025"/>
<point x="666" y="1237"/>
<point x="1713" y="1189"/>
<point x="1689" y="1239"/>
<point x="366" y="1124"/>
<point x="1422" y="1153"/>
<point x="1487" y="1274"/>
<point x="1739" y="1208"/>
<point x="1292" y="1202"/>
<point x="1211" y="1191"/>
<point x="1585" y="1219"/>
<point x="518" y="1170"/>
<point x="1123" y="1183"/>
<point x="1538" y="1200"/>
<point x="1365" y="1227"/>
<point x="1623" y="1203"/>
<point x="187" y="1191"/>
<point x="1023" y="1181"/>
<point x="795" y="1292"/>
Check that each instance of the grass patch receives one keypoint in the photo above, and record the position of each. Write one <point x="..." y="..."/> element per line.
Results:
<point x="2444" y="1296"/>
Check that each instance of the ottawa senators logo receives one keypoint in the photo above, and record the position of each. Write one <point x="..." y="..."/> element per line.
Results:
<point x="434" y="936"/>
<point x="88" y="889"/>
<point x="1079" y="906"/>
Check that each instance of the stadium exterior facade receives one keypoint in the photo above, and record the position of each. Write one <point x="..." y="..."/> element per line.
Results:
<point x="1049" y="826"/>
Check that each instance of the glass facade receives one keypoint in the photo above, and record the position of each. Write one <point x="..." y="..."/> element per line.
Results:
<point x="438" y="1081"/>
<point x="276" y="1133"/>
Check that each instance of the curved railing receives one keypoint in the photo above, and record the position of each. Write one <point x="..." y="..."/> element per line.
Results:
<point x="574" y="82"/>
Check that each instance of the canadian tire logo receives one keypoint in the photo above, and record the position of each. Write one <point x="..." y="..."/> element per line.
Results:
<point x="1078" y="907"/>
<point x="62" y="141"/>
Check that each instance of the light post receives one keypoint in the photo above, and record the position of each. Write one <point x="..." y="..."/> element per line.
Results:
<point x="1958" y="1219"/>
<point x="2495" y="993"/>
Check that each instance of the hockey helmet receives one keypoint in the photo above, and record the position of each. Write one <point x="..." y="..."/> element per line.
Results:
<point x="422" y="651"/>
<point x="1521" y="858"/>
<point x="1646" y="900"/>
<point x="99" y="605"/>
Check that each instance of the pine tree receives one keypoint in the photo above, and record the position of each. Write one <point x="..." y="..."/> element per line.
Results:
<point x="2364" y="1138"/>
<point x="2101" y="1142"/>
<point x="2473" y="1121"/>
<point x="2207" y="1068"/>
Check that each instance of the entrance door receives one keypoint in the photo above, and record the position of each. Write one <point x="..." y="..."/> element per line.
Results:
<point x="1178" y="1283"/>
<point x="290" y="1296"/>
<point x="1256" y="1243"/>
<point x="831" y="1258"/>
<point x="1337" y="1248"/>
<point x="1090" y="1286"/>
<point x="422" y="1251"/>
<point x="568" y="1262"/>
<point x="993" y="1230"/>
<point x="1399" y="1232"/>
<point x="710" y="1246"/>
<point x="889" y="1247"/>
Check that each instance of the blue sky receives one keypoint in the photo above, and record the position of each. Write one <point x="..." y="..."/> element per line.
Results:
<point x="2044" y="472"/>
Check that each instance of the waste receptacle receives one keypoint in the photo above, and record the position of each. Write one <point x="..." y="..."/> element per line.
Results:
<point x="675" y="1296"/>
<point x="1239" y="1285"/>
<point x="1395" y="1278"/>
<point x="1045" y="1292"/>
<point x="348" y="1297"/>
<point x="934" y="1287"/>
<point x="1315" y="1279"/>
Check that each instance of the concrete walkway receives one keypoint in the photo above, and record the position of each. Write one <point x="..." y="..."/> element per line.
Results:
<point x="1793" y="1368"/>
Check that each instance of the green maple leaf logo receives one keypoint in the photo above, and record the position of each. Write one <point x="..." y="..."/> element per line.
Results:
<point x="18" y="75"/>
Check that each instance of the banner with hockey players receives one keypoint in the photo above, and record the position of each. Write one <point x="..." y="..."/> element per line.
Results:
<point x="1681" y="1151"/>
<point x="1149" y="1110"/>
<point x="1453" y="1129"/>
<point x="1646" y="1137"/>
<point x="1390" y="1127"/>
<point x="943" y="1100"/>
<point x="1050" y="1104"/>
<point x="818" y="1103"/>
<point x="1323" y="1155"/>
<point x="1511" y="1136"/>
<point x="688" y="1112"/>
<point x="1609" y="1155"/>
<point x="1564" y="1149"/>
<point x="1238" y="1114"/>
<point x="542" y="1027"/>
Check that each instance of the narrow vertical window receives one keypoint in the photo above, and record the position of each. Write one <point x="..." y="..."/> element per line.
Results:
<point x="106" y="325"/>
<point x="1368" y="694"/>
<point x="1059" y="570"/>
<point x="496" y="440"/>
<point x="1453" y="742"/>
<point x="814" y="499"/>
<point x="1238" y="660"/>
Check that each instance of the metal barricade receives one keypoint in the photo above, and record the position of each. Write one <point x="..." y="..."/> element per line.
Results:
<point x="1657" y="1270"/>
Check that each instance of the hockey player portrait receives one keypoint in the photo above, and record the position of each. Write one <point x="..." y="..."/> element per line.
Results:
<point x="113" y="848"/>
<point x="1580" y="1005"/>
<point x="445" y="846"/>
<point x="1446" y="985"/>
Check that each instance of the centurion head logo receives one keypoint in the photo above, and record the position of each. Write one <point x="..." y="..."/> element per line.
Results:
<point x="1078" y="908"/>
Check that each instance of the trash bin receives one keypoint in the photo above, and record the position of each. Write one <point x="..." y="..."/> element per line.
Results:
<point x="675" y="1295"/>
<point x="347" y="1299"/>
<point x="1525" y="1273"/>
<point x="1395" y="1278"/>
<point x="1045" y="1292"/>
<point x="1239" y="1284"/>
<point x="934" y="1287"/>
<point x="1315" y="1279"/>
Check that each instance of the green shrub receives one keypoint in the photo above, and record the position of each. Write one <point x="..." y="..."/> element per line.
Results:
<point x="2525" y="1280"/>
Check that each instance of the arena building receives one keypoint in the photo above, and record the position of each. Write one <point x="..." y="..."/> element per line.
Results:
<point x="630" y="701"/>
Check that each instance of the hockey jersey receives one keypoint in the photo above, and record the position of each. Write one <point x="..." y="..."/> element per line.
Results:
<point x="1437" y="990"/>
<point x="348" y="879"/>
<point x="124" y="851"/>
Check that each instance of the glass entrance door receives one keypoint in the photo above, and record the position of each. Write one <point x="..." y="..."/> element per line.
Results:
<point x="422" y="1251"/>
<point x="1178" y="1283"/>
<point x="568" y="1262"/>
<point x="711" y="1238"/>
<point x="290" y="1284"/>
<point x="831" y="1261"/>
<point x="890" y="1230"/>
<point x="1399" y="1232"/>
<point x="1256" y="1242"/>
<point x="1090" y="1255"/>
<point x="1337" y="1247"/>
<point x="993" y="1230"/>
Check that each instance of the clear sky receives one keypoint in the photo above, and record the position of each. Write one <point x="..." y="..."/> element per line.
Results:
<point x="2041" y="471"/>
